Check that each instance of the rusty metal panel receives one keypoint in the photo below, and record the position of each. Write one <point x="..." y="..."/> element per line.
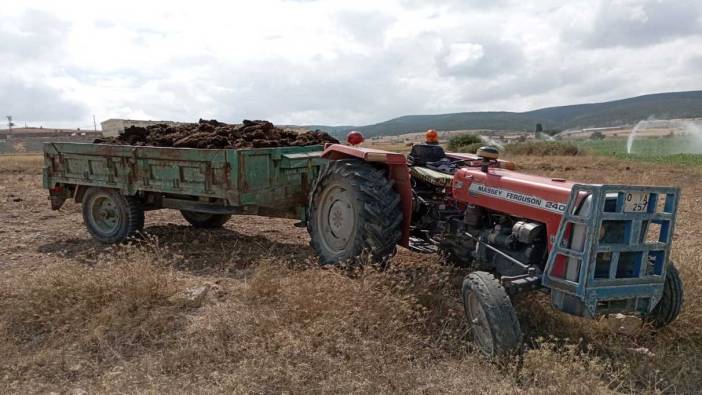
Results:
<point x="279" y="178"/>
<point x="276" y="179"/>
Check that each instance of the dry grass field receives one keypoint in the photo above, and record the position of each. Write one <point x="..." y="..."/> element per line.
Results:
<point x="80" y="317"/>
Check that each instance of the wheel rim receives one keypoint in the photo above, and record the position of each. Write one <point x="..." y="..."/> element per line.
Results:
<point x="479" y="324"/>
<point x="336" y="218"/>
<point x="104" y="214"/>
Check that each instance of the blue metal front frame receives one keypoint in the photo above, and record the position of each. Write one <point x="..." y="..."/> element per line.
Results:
<point x="636" y="293"/>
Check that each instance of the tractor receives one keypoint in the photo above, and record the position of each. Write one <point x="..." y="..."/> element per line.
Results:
<point x="597" y="249"/>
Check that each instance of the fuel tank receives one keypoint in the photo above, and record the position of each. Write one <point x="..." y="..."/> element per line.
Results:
<point x="519" y="195"/>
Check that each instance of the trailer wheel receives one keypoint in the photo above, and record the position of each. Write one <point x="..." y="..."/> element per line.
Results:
<point x="205" y="220"/>
<point x="491" y="316"/>
<point x="353" y="211"/>
<point x="110" y="216"/>
<point x="668" y="308"/>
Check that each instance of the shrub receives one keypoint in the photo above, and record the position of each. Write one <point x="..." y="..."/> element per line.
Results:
<point x="469" y="149"/>
<point x="565" y="369"/>
<point x="597" y="135"/>
<point x="111" y="310"/>
<point x="543" y="148"/>
<point x="20" y="164"/>
<point x="456" y="143"/>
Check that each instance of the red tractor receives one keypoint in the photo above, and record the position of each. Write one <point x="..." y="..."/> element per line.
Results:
<point x="597" y="249"/>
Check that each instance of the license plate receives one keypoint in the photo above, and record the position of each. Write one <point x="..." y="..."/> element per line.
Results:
<point x="635" y="202"/>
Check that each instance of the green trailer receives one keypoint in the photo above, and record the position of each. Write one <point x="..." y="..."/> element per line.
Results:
<point x="115" y="184"/>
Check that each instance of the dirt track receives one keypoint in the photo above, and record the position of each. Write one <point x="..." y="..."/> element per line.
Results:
<point x="275" y="322"/>
<point x="213" y="134"/>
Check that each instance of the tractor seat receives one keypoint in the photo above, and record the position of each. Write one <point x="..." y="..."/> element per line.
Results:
<point x="421" y="154"/>
<point x="444" y="165"/>
<point x="430" y="176"/>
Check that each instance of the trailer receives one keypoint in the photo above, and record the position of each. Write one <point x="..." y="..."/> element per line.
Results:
<point x="115" y="184"/>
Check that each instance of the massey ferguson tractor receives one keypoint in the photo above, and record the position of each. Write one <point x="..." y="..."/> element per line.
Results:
<point x="597" y="249"/>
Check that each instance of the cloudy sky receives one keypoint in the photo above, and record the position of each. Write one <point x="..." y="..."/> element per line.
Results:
<point x="335" y="62"/>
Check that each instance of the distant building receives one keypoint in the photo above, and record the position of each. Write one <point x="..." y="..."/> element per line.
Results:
<point x="23" y="140"/>
<point x="114" y="127"/>
<point x="33" y="132"/>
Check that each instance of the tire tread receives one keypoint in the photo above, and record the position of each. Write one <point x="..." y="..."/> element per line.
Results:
<point x="671" y="302"/>
<point x="381" y="214"/>
<point x="132" y="208"/>
<point x="503" y="321"/>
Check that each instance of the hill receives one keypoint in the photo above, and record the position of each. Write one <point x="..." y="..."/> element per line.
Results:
<point x="612" y="113"/>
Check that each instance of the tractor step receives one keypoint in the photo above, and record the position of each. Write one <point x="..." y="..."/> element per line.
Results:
<point x="422" y="246"/>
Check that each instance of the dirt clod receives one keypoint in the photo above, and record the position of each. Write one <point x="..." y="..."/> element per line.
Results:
<point x="214" y="134"/>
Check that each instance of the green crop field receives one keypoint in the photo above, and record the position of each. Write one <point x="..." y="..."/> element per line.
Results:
<point x="683" y="150"/>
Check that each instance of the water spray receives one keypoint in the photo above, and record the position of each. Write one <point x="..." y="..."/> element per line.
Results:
<point x="492" y="142"/>
<point x="689" y="128"/>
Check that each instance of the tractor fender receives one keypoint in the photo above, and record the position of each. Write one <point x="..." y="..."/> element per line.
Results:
<point x="397" y="171"/>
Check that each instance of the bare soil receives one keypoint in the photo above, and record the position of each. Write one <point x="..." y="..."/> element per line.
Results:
<point x="76" y="315"/>
<point x="214" y="134"/>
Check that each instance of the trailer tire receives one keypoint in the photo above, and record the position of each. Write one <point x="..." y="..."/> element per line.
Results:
<point x="205" y="220"/>
<point x="354" y="213"/>
<point x="668" y="308"/>
<point x="491" y="316"/>
<point x="110" y="216"/>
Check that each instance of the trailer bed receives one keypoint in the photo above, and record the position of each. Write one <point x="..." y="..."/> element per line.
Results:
<point x="251" y="181"/>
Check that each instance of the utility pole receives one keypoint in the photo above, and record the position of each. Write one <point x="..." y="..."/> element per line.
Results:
<point x="9" y="124"/>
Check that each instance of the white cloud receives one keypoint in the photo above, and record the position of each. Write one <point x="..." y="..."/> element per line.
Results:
<point x="463" y="53"/>
<point x="640" y="22"/>
<point x="336" y="62"/>
<point x="37" y="101"/>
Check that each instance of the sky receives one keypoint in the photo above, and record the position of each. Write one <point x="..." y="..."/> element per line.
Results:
<point x="335" y="62"/>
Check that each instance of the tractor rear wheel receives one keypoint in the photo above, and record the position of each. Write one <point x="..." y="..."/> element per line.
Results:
<point x="110" y="216"/>
<point x="668" y="308"/>
<point x="491" y="316"/>
<point x="205" y="220"/>
<point x="353" y="211"/>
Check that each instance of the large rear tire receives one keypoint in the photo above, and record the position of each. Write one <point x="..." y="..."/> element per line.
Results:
<point x="668" y="308"/>
<point x="110" y="216"/>
<point x="354" y="212"/>
<point x="205" y="220"/>
<point x="491" y="316"/>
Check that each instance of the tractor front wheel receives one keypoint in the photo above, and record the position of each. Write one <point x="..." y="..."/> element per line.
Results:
<point x="353" y="211"/>
<point x="491" y="316"/>
<point x="668" y="308"/>
<point x="205" y="220"/>
<point x="110" y="216"/>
